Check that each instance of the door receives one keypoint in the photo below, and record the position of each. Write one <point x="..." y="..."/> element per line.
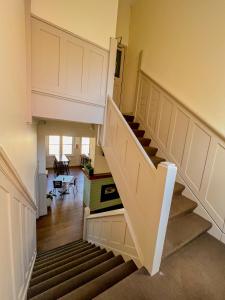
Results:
<point x="118" y="80"/>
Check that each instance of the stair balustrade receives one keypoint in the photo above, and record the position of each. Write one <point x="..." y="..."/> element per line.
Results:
<point x="146" y="191"/>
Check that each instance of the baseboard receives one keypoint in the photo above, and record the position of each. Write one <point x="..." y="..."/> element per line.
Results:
<point x="24" y="294"/>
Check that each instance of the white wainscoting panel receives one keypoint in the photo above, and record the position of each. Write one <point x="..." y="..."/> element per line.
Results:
<point x="185" y="140"/>
<point x="73" y="56"/>
<point x="152" y="117"/>
<point x="143" y="100"/>
<point x="18" y="233"/>
<point x="46" y="46"/>
<point x="164" y="124"/>
<point x="215" y="193"/>
<point x="111" y="231"/>
<point x="196" y="157"/>
<point x="68" y="68"/>
<point x="179" y="136"/>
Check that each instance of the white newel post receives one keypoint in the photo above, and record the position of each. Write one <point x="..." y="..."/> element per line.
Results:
<point x="166" y="175"/>
<point x="86" y="214"/>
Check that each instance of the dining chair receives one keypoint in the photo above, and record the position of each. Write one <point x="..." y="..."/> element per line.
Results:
<point x="74" y="185"/>
<point x="57" y="185"/>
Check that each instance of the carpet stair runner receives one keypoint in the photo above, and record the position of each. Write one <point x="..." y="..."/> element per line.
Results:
<point x="184" y="225"/>
<point x="78" y="270"/>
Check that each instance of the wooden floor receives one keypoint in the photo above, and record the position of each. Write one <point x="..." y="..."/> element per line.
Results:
<point x="64" y="222"/>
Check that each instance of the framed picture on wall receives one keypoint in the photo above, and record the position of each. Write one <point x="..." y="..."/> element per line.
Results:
<point x="109" y="192"/>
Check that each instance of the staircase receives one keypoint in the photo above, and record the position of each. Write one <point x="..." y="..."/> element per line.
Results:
<point x="78" y="270"/>
<point x="184" y="225"/>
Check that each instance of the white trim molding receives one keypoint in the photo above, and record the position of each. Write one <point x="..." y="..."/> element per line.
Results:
<point x="18" y="232"/>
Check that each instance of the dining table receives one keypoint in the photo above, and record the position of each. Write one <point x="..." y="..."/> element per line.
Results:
<point x="61" y="158"/>
<point x="66" y="180"/>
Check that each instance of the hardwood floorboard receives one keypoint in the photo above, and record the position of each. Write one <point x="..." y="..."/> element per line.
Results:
<point x="64" y="222"/>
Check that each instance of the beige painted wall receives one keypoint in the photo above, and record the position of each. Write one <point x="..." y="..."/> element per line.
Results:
<point x="16" y="137"/>
<point x="184" y="46"/>
<point x="123" y="20"/>
<point x="93" y="20"/>
<point x="100" y="165"/>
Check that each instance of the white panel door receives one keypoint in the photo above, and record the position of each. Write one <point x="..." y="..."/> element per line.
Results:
<point x="46" y="48"/>
<point x="73" y="66"/>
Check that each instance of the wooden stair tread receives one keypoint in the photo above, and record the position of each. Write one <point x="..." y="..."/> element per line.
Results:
<point x="63" y="256"/>
<point x="102" y="283"/>
<point x="128" y="118"/>
<point x="138" y="132"/>
<point x="61" y="277"/>
<point x="63" y="262"/>
<point x="44" y="253"/>
<point x="151" y="151"/>
<point x="181" y="205"/>
<point x="144" y="141"/>
<point x="71" y="264"/>
<point x="133" y="125"/>
<point x="156" y="160"/>
<point x="60" y="253"/>
<point x="182" y="230"/>
<point x="178" y="188"/>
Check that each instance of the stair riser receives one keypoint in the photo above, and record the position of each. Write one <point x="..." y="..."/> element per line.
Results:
<point x="40" y="288"/>
<point x="66" y="267"/>
<point x="60" y="258"/>
<point x="102" y="283"/>
<point x="44" y="253"/>
<point x="65" y="261"/>
<point x="59" y="254"/>
<point x="151" y="151"/>
<point x="129" y="118"/>
<point x="139" y="133"/>
<point x="133" y="125"/>
<point x="144" y="142"/>
<point x="186" y="212"/>
<point x="75" y="282"/>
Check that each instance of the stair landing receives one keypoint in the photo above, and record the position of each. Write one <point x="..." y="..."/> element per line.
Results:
<point x="196" y="272"/>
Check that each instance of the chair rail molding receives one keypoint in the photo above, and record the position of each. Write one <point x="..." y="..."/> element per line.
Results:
<point x="145" y="191"/>
<point x="183" y="138"/>
<point x="18" y="232"/>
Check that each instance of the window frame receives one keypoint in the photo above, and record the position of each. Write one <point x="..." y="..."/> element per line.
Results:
<point x="85" y="145"/>
<point x="61" y="145"/>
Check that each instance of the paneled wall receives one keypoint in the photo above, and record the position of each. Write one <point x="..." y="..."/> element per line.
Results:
<point x="182" y="138"/>
<point x="18" y="233"/>
<point x="110" y="230"/>
<point x="67" y="68"/>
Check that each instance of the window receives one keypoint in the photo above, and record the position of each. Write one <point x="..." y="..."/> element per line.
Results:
<point x="54" y="145"/>
<point x="85" y="146"/>
<point x="60" y="145"/>
<point x="67" y="145"/>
